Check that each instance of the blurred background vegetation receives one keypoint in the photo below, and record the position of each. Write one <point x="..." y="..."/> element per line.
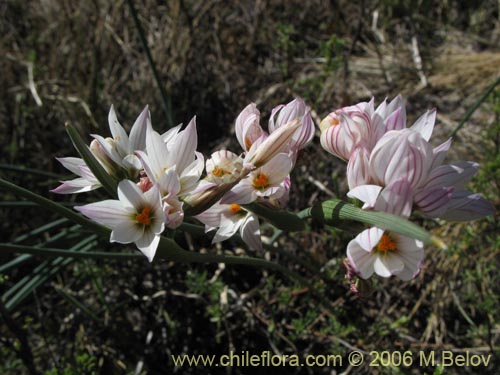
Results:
<point x="64" y="60"/>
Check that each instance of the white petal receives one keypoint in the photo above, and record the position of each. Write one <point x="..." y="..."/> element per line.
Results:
<point x="170" y="135"/>
<point x="250" y="232"/>
<point x="388" y="265"/>
<point x="466" y="206"/>
<point x="396" y="120"/>
<point x="109" y="147"/>
<point x="243" y="193"/>
<point x="212" y="216"/>
<point x="72" y="164"/>
<point x="148" y="244"/>
<point x="158" y="154"/>
<point x="369" y="238"/>
<point x="360" y="259"/>
<point x="169" y="182"/>
<point x="396" y="198"/>
<point x="78" y="185"/>
<point x="109" y="213"/>
<point x="130" y="195"/>
<point x="277" y="168"/>
<point x="132" y="162"/>
<point x="126" y="232"/>
<point x="439" y="153"/>
<point x="456" y="174"/>
<point x="433" y="202"/>
<point x="365" y="193"/>
<point x="183" y="150"/>
<point x="357" y="167"/>
<point x="227" y="229"/>
<point x="139" y="131"/>
<point x="119" y="134"/>
<point x="425" y="124"/>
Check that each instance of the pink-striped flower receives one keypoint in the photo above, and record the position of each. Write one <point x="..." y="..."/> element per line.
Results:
<point x="284" y="114"/>
<point x="343" y="130"/>
<point x="135" y="217"/>
<point x="401" y="154"/>
<point x="442" y="194"/>
<point x="247" y="126"/>
<point x="385" y="253"/>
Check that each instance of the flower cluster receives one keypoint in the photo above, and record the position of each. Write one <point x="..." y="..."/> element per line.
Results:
<point x="394" y="168"/>
<point x="161" y="177"/>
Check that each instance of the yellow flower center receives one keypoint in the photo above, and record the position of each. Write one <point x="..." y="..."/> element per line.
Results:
<point x="219" y="172"/>
<point x="144" y="216"/>
<point x="260" y="181"/>
<point x="235" y="208"/>
<point x="386" y="243"/>
<point x="327" y="122"/>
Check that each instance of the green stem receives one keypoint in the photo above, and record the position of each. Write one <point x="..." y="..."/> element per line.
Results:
<point x="279" y="218"/>
<point x="152" y="65"/>
<point x="108" y="182"/>
<point x="332" y="212"/>
<point x="476" y="105"/>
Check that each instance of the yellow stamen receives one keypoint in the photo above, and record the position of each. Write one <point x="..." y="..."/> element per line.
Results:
<point x="235" y="208"/>
<point x="143" y="217"/>
<point x="327" y="122"/>
<point x="248" y="143"/>
<point x="386" y="243"/>
<point x="260" y="181"/>
<point x="219" y="172"/>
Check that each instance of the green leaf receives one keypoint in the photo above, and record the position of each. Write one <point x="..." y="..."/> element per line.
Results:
<point x="332" y="212"/>
<point x="108" y="182"/>
<point x="50" y="252"/>
<point x="55" y="207"/>
<point x="281" y="219"/>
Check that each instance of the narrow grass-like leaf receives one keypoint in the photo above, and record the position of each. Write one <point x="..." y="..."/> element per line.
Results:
<point x="25" y="257"/>
<point x="55" y="207"/>
<point x="333" y="211"/>
<point x="41" y="274"/>
<point x="72" y="300"/>
<point x="21" y="204"/>
<point x="42" y="267"/>
<point x="41" y="229"/>
<point x="17" y="168"/>
<point x="167" y="107"/>
<point x="476" y="105"/>
<point x="108" y="182"/>
<point x="281" y="219"/>
<point x="51" y="252"/>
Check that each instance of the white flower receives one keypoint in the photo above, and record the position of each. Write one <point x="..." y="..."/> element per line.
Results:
<point x="229" y="218"/>
<point x="266" y="181"/>
<point x="223" y="167"/>
<point x="161" y="160"/>
<point x="121" y="147"/>
<point x="379" y="251"/>
<point x="86" y="182"/>
<point x="136" y="217"/>
<point x="386" y="254"/>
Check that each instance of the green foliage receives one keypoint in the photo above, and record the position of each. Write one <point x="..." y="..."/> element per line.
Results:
<point x="84" y="364"/>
